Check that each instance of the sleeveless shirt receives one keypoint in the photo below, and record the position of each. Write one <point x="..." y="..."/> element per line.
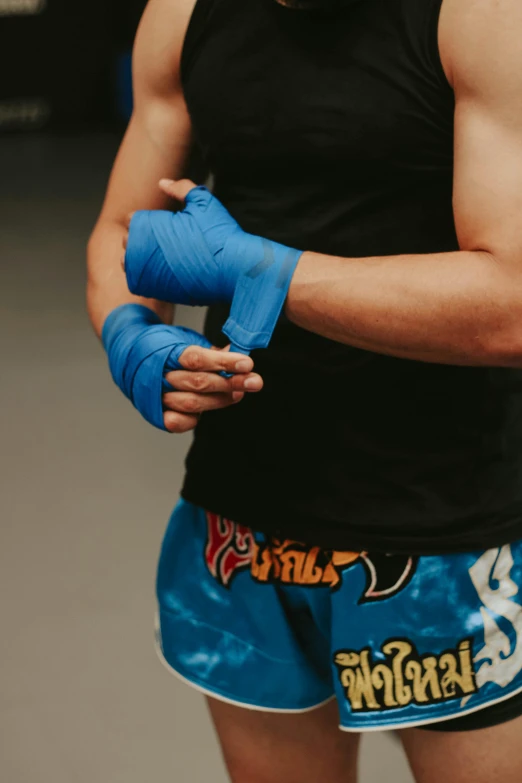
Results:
<point x="334" y="133"/>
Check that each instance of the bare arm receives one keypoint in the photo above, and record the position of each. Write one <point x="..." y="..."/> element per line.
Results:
<point x="463" y="307"/>
<point x="156" y="144"/>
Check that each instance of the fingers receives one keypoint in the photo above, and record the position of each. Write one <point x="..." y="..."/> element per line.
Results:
<point x="199" y="390"/>
<point x="177" y="189"/>
<point x="195" y="404"/>
<point x="210" y="383"/>
<point x="184" y="408"/>
<point x="178" y="422"/>
<point x="197" y="359"/>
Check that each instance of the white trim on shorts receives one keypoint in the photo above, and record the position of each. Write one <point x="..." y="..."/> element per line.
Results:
<point x="219" y="696"/>
<point x="351" y="729"/>
<point x="428" y="721"/>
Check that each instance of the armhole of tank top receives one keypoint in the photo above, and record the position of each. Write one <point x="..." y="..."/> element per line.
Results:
<point x="196" y="26"/>
<point x="433" y="43"/>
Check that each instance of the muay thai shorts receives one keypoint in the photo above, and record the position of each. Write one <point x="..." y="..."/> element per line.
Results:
<point x="398" y="641"/>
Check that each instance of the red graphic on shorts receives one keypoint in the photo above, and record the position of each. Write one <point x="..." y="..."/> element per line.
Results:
<point x="232" y="548"/>
<point x="229" y="549"/>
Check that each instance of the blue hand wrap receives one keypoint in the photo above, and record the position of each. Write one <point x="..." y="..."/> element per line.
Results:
<point x="200" y="256"/>
<point x="141" y="349"/>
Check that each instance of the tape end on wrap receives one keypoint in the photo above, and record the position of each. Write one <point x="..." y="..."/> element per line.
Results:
<point x="243" y="341"/>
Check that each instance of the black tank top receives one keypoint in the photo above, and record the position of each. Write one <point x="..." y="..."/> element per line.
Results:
<point x="334" y="133"/>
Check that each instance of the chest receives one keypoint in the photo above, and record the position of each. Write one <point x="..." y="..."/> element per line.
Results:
<point x="354" y="96"/>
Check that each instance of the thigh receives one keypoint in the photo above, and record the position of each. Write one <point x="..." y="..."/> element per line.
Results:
<point x="263" y="747"/>
<point x="482" y="756"/>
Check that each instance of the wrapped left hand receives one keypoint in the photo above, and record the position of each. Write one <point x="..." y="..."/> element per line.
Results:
<point x="200" y="255"/>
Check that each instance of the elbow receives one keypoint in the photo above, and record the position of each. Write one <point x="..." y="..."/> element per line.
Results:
<point x="501" y="337"/>
<point x="503" y="347"/>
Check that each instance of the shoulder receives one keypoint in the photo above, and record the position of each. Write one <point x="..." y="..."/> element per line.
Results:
<point x="159" y="44"/>
<point x="479" y="43"/>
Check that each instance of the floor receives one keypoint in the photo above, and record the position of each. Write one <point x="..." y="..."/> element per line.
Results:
<point x="88" y="489"/>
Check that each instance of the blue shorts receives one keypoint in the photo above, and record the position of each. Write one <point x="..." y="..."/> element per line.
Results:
<point x="281" y="626"/>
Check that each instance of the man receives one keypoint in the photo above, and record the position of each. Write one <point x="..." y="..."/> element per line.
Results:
<point x="371" y="154"/>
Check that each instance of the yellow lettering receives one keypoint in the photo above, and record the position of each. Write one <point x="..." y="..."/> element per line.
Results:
<point x="466" y="667"/>
<point x="450" y="679"/>
<point x="347" y="659"/>
<point x="359" y="686"/>
<point x="422" y="680"/>
<point x="363" y="679"/>
<point x="453" y="679"/>
<point x="348" y="682"/>
<point x="382" y="677"/>
<point x="403" y="692"/>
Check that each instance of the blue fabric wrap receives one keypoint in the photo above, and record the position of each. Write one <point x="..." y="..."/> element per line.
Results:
<point x="141" y="349"/>
<point x="200" y="256"/>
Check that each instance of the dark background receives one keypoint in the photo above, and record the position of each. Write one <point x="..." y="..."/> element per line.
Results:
<point x="64" y="64"/>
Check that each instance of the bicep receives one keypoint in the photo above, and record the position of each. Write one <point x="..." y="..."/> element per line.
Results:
<point x="487" y="195"/>
<point x="157" y="142"/>
<point x="486" y="68"/>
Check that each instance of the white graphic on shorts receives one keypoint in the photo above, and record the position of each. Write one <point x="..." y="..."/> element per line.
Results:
<point x="501" y="655"/>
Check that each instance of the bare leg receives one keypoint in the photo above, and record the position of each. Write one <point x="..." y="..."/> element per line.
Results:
<point x="482" y="756"/>
<point x="262" y="747"/>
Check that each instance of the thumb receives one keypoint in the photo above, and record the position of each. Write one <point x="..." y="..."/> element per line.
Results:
<point x="177" y="189"/>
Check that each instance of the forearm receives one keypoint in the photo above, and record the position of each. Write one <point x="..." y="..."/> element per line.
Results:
<point x="453" y="308"/>
<point x="106" y="284"/>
